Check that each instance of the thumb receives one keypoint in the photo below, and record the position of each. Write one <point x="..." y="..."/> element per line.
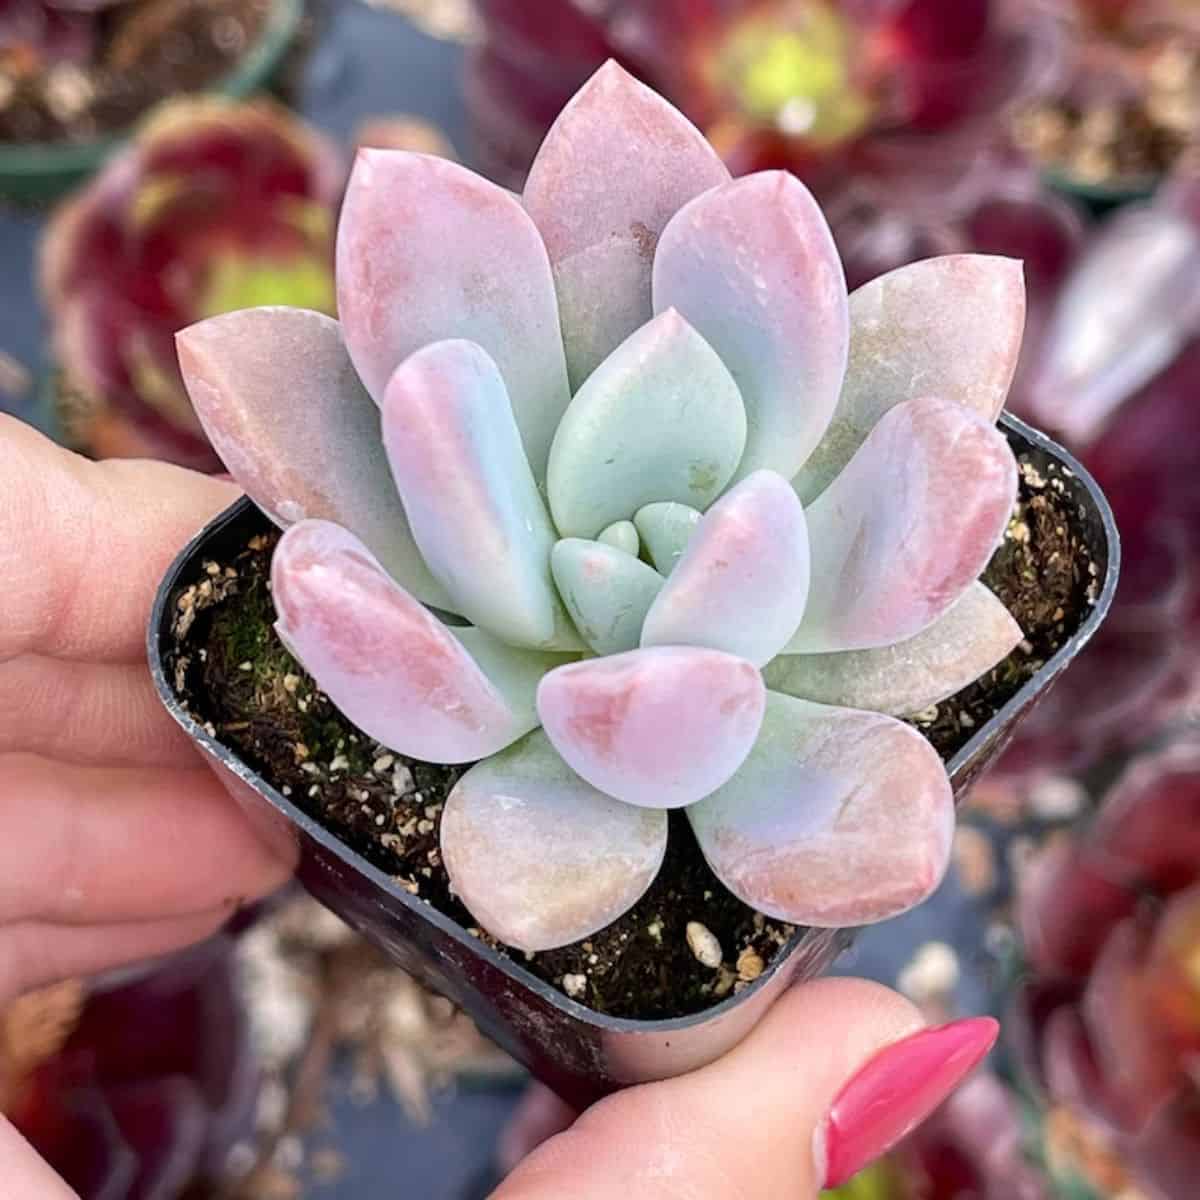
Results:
<point x="833" y="1076"/>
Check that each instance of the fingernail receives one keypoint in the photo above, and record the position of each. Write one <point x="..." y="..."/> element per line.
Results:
<point x="897" y="1090"/>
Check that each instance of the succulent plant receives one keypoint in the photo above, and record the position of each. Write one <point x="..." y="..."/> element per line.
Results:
<point x="1103" y="343"/>
<point x="1107" y="1025"/>
<point x="611" y="490"/>
<point x="1110" y="366"/>
<point x="213" y="206"/>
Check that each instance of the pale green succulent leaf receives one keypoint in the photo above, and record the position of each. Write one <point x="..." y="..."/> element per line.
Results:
<point x="540" y="857"/>
<point x="666" y="527"/>
<point x="659" y="419"/>
<point x="623" y="535"/>
<point x="836" y="818"/>
<point x="607" y="592"/>
<point x="910" y="676"/>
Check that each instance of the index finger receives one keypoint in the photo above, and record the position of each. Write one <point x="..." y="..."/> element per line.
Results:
<point x="83" y="545"/>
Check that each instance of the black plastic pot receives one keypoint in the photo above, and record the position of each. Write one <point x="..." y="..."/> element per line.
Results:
<point x="579" y="1053"/>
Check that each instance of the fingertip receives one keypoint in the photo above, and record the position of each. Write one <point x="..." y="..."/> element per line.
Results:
<point x="747" y="1124"/>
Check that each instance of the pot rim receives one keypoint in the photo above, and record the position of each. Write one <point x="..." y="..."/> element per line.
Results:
<point x="159" y="626"/>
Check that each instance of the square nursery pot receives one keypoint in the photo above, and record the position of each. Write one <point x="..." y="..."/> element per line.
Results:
<point x="580" y="1053"/>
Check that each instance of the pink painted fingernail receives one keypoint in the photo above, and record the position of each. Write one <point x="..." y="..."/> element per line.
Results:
<point x="897" y="1090"/>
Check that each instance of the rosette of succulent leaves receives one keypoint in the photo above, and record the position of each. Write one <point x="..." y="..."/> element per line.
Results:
<point x="611" y="490"/>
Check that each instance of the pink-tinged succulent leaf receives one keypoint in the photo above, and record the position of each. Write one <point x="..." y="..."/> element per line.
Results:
<point x="1148" y="832"/>
<point x="659" y="419"/>
<point x="391" y="667"/>
<point x="752" y="265"/>
<point x="471" y="498"/>
<point x="903" y="531"/>
<point x="948" y="327"/>
<point x="666" y="528"/>
<point x="906" y="678"/>
<point x="836" y="818"/>
<point x="741" y="584"/>
<point x="539" y="857"/>
<point x="617" y="164"/>
<point x="1131" y="1048"/>
<point x="623" y="535"/>
<point x="659" y="727"/>
<point x="279" y="400"/>
<point x="427" y="251"/>
<point x="1066" y="909"/>
<point x="607" y="592"/>
<point x="1128" y="308"/>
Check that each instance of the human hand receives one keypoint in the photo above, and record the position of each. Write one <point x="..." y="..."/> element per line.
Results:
<point x="116" y="843"/>
<point x="834" y="1075"/>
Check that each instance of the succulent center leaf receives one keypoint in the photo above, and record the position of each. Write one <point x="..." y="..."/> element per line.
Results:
<point x="661" y="419"/>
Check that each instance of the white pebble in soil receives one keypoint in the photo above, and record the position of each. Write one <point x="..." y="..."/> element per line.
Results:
<point x="703" y="944"/>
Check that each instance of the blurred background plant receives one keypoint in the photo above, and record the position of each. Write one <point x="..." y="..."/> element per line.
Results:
<point x="134" y="1086"/>
<point x="878" y="103"/>
<point x="1058" y="131"/>
<point x="213" y="206"/>
<point x="1106" y="1025"/>
<point x="1128" y="104"/>
<point x="200" y="1074"/>
<point x="76" y="75"/>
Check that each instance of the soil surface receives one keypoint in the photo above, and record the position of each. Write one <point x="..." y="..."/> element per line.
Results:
<point x="141" y="52"/>
<point x="237" y="679"/>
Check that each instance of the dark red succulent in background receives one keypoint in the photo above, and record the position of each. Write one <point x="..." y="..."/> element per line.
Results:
<point x="902" y="91"/>
<point x="137" y="1089"/>
<point x="213" y="206"/>
<point x="1112" y="367"/>
<point x="1107" y="1027"/>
